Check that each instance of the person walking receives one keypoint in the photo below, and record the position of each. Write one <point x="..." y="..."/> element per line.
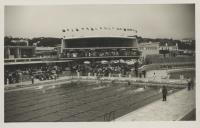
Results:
<point x="164" y="93"/>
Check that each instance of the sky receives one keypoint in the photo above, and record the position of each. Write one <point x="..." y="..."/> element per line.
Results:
<point x="153" y="21"/>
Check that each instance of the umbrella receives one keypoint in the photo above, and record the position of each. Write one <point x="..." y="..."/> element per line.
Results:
<point x="121" y="61"/>
<point x="130" y="62"/>
<point x="104" y="61"/>
<point x="86" y="62"/>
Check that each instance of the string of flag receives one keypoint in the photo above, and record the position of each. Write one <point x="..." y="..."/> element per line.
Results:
<point x="97" y="29"/>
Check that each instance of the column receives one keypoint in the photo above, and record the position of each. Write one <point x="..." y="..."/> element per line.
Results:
<point x="62" y="45"/>
<point x="7" y="52"/>
<point x="17" y="53"/>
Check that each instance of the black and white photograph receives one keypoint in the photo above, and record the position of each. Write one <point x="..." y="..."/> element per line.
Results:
<point x="99" y="63"/>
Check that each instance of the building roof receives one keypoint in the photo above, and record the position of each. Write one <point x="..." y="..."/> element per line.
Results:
<point x="89" y="37"/>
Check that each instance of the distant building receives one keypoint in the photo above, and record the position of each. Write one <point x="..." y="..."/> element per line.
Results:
<point x="151" y="48"/>
<point x="21" y="42"/>
<point x="187" y="41"/>
<point x="11" y="52"/>
<point x="171" y="50"/>
<point x="169" y="47"/>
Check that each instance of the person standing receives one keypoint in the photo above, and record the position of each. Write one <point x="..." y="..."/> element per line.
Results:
<point x="144" y="73"/>
<point x="32" y="79"/>
<point x="164" y="93"/>
<point x="192" y="83"/>
<point x="189" y="84"/>
<point x="55" y="76"/>
<point x="154" y="76"/>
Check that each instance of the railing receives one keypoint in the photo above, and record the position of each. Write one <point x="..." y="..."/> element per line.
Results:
<point x="100" y="52"/>
<point x="91" y="57"/>
<point x="28" y="59"/>
<point x="167" y="65"/>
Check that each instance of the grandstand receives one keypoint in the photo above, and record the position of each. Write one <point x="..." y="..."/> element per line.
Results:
<point x="100" y="47"/>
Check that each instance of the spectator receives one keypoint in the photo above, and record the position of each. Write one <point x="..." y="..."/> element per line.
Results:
<point x="32" y="79"/>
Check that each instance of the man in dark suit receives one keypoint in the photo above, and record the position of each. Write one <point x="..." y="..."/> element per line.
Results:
<point x="164" y="93"/>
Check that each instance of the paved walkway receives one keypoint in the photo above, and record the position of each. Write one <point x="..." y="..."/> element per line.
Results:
<point x="177" y="106"/>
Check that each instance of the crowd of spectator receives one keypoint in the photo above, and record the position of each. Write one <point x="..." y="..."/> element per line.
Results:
<point x="46" y="72"/>
<point x="99" y="52"/>
<point x="40" y="72"/>
<point x="103" y="69"/>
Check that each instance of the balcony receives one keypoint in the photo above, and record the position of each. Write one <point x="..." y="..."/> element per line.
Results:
<point x="112" y="52"/>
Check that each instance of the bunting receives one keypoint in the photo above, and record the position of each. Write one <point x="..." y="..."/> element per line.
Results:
<point x="120" y="29"/>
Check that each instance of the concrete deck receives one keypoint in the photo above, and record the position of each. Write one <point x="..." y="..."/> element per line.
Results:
<point x="177" y="106"/>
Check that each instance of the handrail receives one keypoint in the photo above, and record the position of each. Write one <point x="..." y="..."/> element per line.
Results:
<point x="164" y="64"/>
<point x="28" y="59"/>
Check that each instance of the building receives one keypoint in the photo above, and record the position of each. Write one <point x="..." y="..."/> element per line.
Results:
<point x="171" y="50"/>
<point x="21" y="42"/>
<point x="187" y="41"/>
<point x="115" y="53"/>
<point x="100" y="48"/>
<point x="11" y="52"/>
<point x="169" y="47"/>
<point x="149" y="49"/>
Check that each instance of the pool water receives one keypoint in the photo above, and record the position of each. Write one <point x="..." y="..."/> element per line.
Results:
<point x="77" y="101"/>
